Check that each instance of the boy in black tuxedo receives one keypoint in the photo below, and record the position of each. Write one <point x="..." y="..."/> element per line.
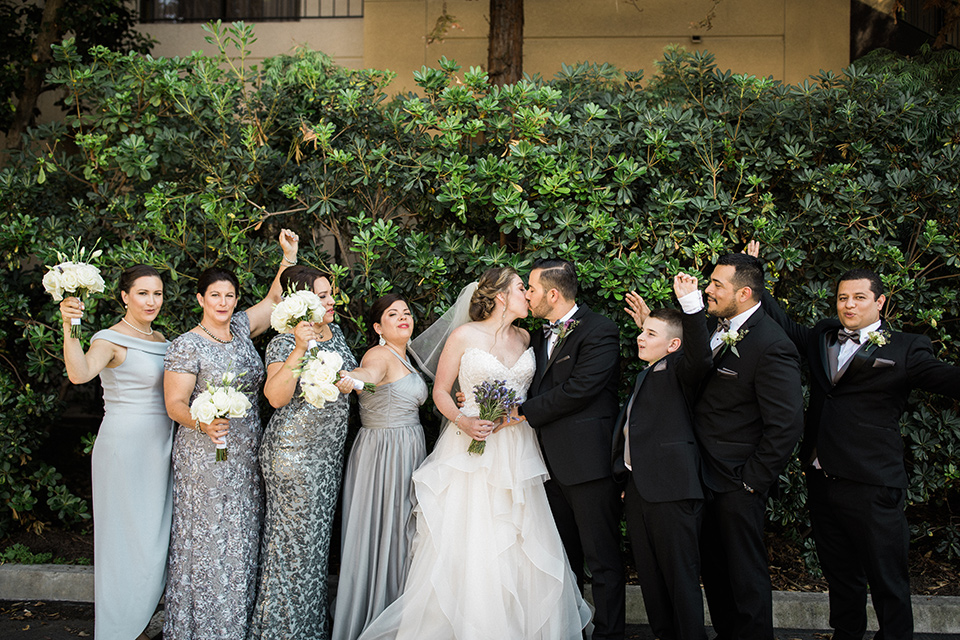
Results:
<point x="861" y="374"/>
<point x="655" y="453"/>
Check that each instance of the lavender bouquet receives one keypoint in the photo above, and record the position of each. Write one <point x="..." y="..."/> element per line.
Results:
<point x="495" y="400"/>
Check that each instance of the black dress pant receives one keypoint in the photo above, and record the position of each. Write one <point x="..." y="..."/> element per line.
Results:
<point x="862" y="538"/>
<point x="665" y="537"/>
<point x="588" y="519"/>
<point x="735" y="571"/>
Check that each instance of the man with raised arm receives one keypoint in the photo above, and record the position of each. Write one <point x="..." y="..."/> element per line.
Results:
<point x="748" y="419"/>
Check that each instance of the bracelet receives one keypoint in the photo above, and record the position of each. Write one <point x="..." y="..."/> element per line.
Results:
<point x="289" y="262"/>
<point x="748" y="488"/>
<point x="197" y="426"/>
<point x="456" y="421"/>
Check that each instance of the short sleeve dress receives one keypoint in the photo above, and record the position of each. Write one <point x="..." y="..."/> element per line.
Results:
<point x="217" y="506"/>
<point x="301" y="458"/>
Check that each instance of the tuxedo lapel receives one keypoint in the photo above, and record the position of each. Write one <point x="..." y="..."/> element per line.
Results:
<point x="557" y="348"/>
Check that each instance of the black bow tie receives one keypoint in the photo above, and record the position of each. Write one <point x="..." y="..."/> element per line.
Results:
<point x="845" y="335"/>
<point x="550" y="328"/>
<point x="723" y="324"/>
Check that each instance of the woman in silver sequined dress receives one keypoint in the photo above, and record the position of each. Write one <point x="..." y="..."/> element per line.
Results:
<point x="217" y="506"/>
<point x="301" y="458"/>
<point x="378" y="498"/>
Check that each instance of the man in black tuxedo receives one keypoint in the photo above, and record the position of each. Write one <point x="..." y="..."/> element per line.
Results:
<point x="748" y="420"/>
<point x="655" y="453"/>
<point x="572" y="405"/>
<point x="861" y="373"/>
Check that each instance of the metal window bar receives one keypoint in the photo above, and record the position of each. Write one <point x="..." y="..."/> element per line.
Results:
<point x="259" y="10"/>
<point x="930" y="21"/>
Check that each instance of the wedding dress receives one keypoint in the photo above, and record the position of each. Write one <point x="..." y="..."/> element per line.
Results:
<point x="487" y="561"/>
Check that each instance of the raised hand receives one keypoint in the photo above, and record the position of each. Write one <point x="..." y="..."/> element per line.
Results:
<point x="304" y="332"/>
<point x="290" y="243"/>
<point x="71" y="308"/>
<point x="683" y="284"/>
<point x="637" y="308"/>
<point x="752" y="248"/>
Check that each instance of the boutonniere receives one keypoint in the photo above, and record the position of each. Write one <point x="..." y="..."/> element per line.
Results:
<point x="565" y="329"/>
<point x="731" y="338"/>
<point x="878" y="338"/>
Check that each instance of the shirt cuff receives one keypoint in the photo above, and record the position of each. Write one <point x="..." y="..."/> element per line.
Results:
<point x="692" y="302"/>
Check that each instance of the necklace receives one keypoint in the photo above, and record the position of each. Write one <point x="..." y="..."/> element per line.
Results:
<point x="138" y="330"/>
<point x="220" y="340"/>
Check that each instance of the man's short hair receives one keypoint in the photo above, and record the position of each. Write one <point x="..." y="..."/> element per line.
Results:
<point x="558" y="274"/>
<point x="748" y="272"/>
<point x="876" y="284"/>
<point x="672" y="318"/>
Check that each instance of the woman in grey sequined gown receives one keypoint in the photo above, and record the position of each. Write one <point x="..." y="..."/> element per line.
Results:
<point x="132" y="496"/>
<point x="217" y="506"/>
<point x="301" y="458"/>
<point x="378" y="499"/>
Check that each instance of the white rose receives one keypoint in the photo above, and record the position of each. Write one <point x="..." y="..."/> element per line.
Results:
<point x="205" y="412"/>
<point x="89" y="278"/>
<point x="221" y="400"/>
<point x="331" y="359"/>
<point x="311" y="393"/>
<point x="229" y="377"/>
<point x="329" y="392"/>
<point x="69" y="278"/>
<point x="52" y="284"/>
<point x="297" y="308"/>
<point x="239" y="405"/>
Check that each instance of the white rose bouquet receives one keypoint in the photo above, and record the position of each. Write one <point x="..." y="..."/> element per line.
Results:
<point x="296" y="307"/>
<point x="74" y="277"/>
<point x="221" y="401"/>
<point x="318" y="377"/>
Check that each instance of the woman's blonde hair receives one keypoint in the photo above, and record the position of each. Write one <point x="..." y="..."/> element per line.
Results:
<point x="494" y="281"/>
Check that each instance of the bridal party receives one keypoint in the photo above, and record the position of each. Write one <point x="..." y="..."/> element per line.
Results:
<point x="546" y="449"/>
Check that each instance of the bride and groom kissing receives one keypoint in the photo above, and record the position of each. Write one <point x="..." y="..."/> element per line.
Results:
<point x="495" y="531"/>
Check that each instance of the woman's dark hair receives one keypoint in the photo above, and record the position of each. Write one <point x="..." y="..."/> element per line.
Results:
<point x="376" y="311"/>
<point x="216" y="274"/>
<point x="299" y="277"/>
<point x="130" y="275"/>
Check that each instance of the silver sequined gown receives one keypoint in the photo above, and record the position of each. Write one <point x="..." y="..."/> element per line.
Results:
<point x="301" y="458"/>
<point x="217" y="506"/>
<point x="378" y="501"/>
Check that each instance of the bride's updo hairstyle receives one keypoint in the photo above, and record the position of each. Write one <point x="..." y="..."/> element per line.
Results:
<point x="493" y="281"/>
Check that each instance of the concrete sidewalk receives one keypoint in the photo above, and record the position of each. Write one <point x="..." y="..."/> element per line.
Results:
<point x="791" y="610"/>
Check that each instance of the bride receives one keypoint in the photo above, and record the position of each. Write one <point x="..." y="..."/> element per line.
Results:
<point x="487" y="561"/>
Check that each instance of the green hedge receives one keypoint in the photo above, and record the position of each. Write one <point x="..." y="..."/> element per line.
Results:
<point x="185" y="162"/>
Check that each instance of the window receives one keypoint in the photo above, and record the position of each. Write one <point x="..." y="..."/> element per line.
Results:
<point x="258" y="10"/>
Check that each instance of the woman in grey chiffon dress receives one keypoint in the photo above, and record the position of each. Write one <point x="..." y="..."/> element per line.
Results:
<point x="131" y="458"/>
<point x="378" y="499"/>
<point x="217" y="505"/>
<point x="301" y="459"/>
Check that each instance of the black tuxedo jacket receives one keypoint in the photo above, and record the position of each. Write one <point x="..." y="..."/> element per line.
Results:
<point x="663" y="445"/>
<point x="853" y="426"/>
<point x="750" y="413"/>
<point x="573" y="398"/>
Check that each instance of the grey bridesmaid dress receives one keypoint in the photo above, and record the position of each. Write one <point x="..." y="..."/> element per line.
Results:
<point x="132" y="490"/>
<point x="378" y="501"/>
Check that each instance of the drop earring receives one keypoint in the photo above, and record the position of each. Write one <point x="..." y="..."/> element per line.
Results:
<point x="382" y="341"/>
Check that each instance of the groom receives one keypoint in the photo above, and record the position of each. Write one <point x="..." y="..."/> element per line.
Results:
<point x="572" y="406"/>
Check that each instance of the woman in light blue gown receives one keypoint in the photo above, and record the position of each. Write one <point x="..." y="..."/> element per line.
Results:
<point x="131" y="458"/>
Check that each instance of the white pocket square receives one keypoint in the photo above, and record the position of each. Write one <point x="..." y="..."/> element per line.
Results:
<point x="723" y="372"/>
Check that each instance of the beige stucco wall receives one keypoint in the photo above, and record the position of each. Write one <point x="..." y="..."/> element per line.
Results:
<point x="787" y="39"/>
<point x="340" y="38"/>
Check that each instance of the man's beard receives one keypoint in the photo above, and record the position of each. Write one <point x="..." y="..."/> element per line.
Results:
<point x="542" y="310"/>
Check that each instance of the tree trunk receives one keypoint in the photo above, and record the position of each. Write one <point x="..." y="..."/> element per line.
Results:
<point x="505" y="52"/>
<point x="33" y="76"/>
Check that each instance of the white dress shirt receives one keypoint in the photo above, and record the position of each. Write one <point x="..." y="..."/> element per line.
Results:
<point x="736" y="322"/>
<point x="552" y="340"/>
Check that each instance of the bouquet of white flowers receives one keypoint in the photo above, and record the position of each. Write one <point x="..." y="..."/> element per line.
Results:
<point x="318" y="377"/>
<point x="74" y="277"/>
<point x="296" y="307"/>
<point x="220" y="401"/>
